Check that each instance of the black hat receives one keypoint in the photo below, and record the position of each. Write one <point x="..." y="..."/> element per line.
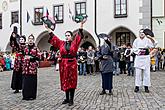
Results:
<point x="49" y="22"/>
<point x="15" y="29"/>
<point x="80" y="18"/>
<point x="148" y="32"/>
<point x="103" y="35"/>
<point x="23" y="37"/>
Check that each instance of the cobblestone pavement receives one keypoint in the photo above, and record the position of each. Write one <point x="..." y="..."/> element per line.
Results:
<point x="49" y="96"/>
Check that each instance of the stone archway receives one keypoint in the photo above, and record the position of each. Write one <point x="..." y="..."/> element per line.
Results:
<point x="88" y="39"/>
<point x="8" y="47"/>
<point x="86" y="44"/>
<point x="122" y="35"/>
<point x="42" y="41"/>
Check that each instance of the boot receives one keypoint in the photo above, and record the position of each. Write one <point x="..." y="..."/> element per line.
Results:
<point x="103" y="92"/>
<point x="16" y="91"/>
<point x="136" y="89"/>
<point x="146" y="89"/>
<point x="67" y="98"/>
<point x="72" y="91"/>
<point x="110" y="92"/>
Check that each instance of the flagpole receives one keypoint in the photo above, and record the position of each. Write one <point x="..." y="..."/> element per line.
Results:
<point x="95" y="25"/>
<point x="20" y="17"/>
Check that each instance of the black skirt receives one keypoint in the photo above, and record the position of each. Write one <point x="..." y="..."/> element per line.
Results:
<point x="29" y="86"/>
<point x="107" y="79"/>
<point x="16" y="82"/>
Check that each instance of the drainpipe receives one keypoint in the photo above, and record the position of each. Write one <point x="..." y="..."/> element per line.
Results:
<point x="95" y="25"/>
<point x="20" y="17"/>
<point x="151" y="14"/>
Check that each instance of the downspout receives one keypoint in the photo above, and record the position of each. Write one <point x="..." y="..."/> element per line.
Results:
<point x="95" y="25"/>
<point x="151" y="14"/>
<point x="20" y="17"/>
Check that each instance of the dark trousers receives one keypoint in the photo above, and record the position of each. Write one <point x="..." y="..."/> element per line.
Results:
<point x="130" y="68"/>
<point x="107" y="81"/>
<point x="70" y="94"/>
<point x="90" y="68"/>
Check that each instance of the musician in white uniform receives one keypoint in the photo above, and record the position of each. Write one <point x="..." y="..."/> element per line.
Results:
<point x="141" y="46"/>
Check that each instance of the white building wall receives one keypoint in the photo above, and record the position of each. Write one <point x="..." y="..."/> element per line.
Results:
<point x="5" y="32"/>
<point x="107" y="22"/>
<point x="159" y="30"/>
<point x="158" y="22"/>
<point x="62" y="27"/>
<point x="158" y="8"/>
<point x="105" y="18"/>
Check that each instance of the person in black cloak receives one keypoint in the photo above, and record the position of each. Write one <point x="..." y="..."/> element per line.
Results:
<point x="14" y="40"/>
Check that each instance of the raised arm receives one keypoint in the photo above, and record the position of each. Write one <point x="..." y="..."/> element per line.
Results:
<point x="54" y="40"/>
<point x="79" y="36"/>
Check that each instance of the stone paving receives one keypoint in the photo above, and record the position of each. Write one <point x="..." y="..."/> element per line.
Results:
<point x="49" y="95"/>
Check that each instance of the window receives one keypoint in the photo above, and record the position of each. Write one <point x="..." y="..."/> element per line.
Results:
<point x="38" y="14"/>
<point x="0" y="20"/>
<point x="80" y="8"/>
<point x="58" y="13"/>
<point x="14" y="17"/>
<point x="122" y="38"/>
<point x="120" y="8"/>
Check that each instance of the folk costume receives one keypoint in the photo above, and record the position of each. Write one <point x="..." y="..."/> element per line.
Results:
<point x="30" y="64"/>
<point x="67" y="63"/>
<point x="142" y="62"/>
<point x="106" y="57"/>
<point x="16" y="83"/>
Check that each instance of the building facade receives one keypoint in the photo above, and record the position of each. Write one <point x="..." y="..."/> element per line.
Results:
<point x="122" y="19"/>
<point x="158" y="21"/>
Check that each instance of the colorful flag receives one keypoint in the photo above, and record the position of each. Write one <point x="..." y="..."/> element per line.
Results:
<point x="28" y="17"/>
<point x="46" y="12"/>
<point x="70" y="14"/>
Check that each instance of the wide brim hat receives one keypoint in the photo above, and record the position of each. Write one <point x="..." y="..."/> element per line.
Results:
<point x="149" y="35"/>
<point x="80" y="18"/>
<point x="148" y="32"/>
<point x="50" y="22"/>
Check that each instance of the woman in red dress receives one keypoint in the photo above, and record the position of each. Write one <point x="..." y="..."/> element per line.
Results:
<point x="68" y="63"/>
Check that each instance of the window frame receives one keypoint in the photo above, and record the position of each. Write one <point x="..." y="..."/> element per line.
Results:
<point x="60" y="5"/>
<point x="12" y="21"/>
<point x="40" y="21"/>
<point x="76" y="3"/>
<point x="120" y="15"/>
<point x="0" y="20"/>
<point x="118" y="35"/>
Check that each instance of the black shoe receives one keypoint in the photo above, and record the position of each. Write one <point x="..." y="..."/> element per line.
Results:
<point x="136" y="89"/>
<point x="70" y="103"/>
<point x="65" y="101"/>
<point x="146" y="89"/>
<point x="25" y="98"/>
<point x="102" y="93"/>
<point x="16" y="91"/>
<point x="110" y="92"/>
